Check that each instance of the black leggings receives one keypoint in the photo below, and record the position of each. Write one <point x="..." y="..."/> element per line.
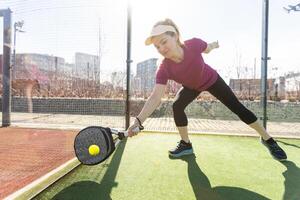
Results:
<point x="221" y="91"/>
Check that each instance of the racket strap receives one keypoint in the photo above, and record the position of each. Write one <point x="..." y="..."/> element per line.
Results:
<point x="141" y="127"/>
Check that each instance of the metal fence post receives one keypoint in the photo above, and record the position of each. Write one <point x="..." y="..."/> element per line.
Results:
<point x="6" y="71"/>
<point x="264" y="60"/>
<point x="128" y="62"/>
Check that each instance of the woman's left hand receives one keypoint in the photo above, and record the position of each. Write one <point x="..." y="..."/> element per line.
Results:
<point x="216" y="44"/>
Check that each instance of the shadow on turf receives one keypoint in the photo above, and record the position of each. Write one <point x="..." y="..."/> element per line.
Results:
<point x="292" y="177"/>
<point x="90" y="190"/>
<point x="292" y="181"/>
<point x="203" y="190"/>
<point x="288" y="144"/>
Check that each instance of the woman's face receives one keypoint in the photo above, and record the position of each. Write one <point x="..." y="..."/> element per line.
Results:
<point x="165" y="44"/>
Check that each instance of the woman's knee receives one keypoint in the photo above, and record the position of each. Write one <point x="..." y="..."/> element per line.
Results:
<point x="178" y="107"/>
<point x="244" y="113"/>
<point x="248" y="117"/>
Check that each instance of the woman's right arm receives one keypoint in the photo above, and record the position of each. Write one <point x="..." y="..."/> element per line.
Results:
<point x="151" y="104"/>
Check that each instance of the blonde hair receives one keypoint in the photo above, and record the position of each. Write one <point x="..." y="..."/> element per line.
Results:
<point x="169" y="22"/>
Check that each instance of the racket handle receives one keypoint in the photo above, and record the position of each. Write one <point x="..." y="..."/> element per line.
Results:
<point x="124" y="134"/>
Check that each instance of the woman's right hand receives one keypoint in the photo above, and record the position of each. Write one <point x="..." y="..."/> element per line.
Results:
<point x="135" y="128"/>
<point x="132" y="130"/>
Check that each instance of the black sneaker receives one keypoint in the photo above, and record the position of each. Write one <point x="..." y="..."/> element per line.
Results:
<point x="182" y="149"/>
<point x="274" y="149"/>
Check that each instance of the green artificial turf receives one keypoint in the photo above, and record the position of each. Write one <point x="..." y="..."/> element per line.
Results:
<point x="224" y="167"/>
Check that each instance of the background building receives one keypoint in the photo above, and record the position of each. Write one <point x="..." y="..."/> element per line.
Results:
<point x="250" y="89"/>
<point x="87" y="67"/>
<point x="31" y="65"/>
<point x="292" y="85"/>
<point x="145" y="75"/>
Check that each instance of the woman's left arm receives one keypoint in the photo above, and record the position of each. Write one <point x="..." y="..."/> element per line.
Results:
<point x="211" y="46"/>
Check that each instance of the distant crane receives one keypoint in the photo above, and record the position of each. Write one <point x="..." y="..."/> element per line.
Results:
<point x="292" y="8"/>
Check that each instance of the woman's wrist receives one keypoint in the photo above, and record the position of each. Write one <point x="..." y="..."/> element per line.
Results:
<point x="138" y="122"/>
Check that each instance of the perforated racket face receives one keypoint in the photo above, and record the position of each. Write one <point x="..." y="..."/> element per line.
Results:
<point x="110" y="141"/>
<point x="92" y="136"/>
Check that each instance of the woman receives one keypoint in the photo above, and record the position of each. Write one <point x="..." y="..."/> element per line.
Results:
<point x="184" y="64"/>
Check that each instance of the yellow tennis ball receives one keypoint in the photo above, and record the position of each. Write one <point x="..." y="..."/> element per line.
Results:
<point x="94" y="150"/>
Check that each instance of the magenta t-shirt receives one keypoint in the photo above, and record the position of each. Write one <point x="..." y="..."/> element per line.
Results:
<point x="192" y="72"/>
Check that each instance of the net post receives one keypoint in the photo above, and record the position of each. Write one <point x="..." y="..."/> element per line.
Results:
<point x="128" y="62"/>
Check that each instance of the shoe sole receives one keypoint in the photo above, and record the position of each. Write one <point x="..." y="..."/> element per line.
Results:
<point x="284" y="159"/>
<point x="183" y="153"/>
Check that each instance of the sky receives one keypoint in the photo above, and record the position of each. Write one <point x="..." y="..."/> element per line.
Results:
<point x="63" y="27"/>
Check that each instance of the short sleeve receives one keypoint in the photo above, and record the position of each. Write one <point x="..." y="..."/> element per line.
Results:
<point x="199" y="44"/>
<point x="162" y="75"/>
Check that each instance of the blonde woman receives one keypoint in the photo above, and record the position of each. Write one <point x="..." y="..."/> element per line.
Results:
<point x="184" y="64"/>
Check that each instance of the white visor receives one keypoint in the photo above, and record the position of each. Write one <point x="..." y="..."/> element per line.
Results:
<point x="157" y="30"/>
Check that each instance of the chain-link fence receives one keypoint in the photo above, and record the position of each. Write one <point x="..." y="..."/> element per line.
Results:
<point x="69" y="59"/>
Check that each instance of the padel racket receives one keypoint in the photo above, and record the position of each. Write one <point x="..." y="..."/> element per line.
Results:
<point x="94" y="144"/>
